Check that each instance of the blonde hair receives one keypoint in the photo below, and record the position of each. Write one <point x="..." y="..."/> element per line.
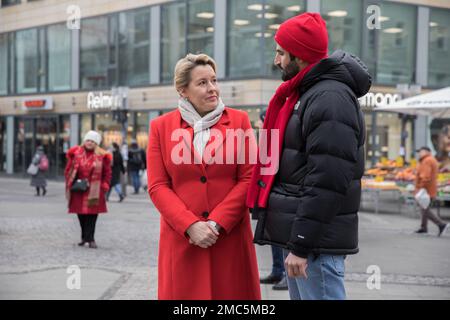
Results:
<point x="185" y="65"/>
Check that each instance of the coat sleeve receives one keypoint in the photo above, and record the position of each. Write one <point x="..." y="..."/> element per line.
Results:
<point x="70" y="158"/>
<point x="107" y="172"/>
<point x="232" y="209"/>
<point x="170" y="206"/>
<point x="331" y="132"/>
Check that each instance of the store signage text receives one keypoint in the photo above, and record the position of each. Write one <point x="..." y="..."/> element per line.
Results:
<point x="100" y="100"/>
<point x="372" y="100"/>
<point x="38" y="103"/>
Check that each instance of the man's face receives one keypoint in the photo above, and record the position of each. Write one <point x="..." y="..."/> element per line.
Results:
<point x="289" y="68"/>
<point x="423" y="153"/>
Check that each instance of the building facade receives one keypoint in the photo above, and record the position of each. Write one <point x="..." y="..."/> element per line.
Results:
<point x="63" y="62"/>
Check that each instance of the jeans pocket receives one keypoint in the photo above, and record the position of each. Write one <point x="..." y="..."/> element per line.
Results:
<point x="339" y="264"/>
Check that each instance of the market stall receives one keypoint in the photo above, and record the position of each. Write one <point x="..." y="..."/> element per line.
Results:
<point x="395" y="176"/>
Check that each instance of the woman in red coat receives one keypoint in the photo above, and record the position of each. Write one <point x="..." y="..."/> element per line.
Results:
<point x="205" y="249"/>
<point x="88" y="163"/>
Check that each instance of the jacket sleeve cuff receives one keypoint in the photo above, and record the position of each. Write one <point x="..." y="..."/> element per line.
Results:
<point x="298" y="251"/>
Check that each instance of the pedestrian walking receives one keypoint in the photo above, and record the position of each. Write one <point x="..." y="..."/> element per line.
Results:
<point x="87" y="176"/>
<point x="38" y="169"/>
<point x="309" y="205"/>
<point x="136" y="163"/>
<point x="124" y="177"/>
<point x="117" y="170"/>
<point x="205" y="249"/>
<point x="426" y="178"/>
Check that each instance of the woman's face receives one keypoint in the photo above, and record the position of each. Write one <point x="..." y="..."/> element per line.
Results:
<point x="90" y="145"/>
<point x="202" y="91"/>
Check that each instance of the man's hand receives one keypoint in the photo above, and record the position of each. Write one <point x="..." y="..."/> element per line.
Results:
<point x="202" y="234"/>
<point x="296" y="266"/>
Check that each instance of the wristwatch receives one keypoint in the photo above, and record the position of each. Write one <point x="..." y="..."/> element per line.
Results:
<point x="215" y="225"/>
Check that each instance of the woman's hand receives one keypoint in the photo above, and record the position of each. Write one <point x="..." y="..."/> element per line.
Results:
<point x="202" y="235"/>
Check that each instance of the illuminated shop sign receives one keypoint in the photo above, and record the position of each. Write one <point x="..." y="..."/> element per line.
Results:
<point x="117" y="99"/>
<point x="37" y="103"/>
<point x="378" y="99"/>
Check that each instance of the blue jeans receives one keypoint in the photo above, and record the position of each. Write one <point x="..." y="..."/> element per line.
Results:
<point x="278" y="261"/>
<point x="136" y="180"/>
<point x="325" y="279"/>
<point x="118" y="189"/>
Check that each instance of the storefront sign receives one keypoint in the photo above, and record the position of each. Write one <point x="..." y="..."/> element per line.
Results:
<point x="373" y="100"/>
<point x="117" y="99"/>
<point x="37" y="103"/>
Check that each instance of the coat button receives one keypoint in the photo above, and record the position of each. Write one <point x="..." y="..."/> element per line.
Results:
<point x="205" y="214"/>
<point x="203" y="179"/>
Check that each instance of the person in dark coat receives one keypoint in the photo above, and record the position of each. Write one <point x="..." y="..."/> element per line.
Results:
<point x="308" y="202"/>
<point x="39" y="180"/>
<point x="136" y="163"/>
<point x="117" y="169"/>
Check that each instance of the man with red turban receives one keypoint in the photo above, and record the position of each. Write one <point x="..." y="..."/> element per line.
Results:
<point x="308" y="205"/>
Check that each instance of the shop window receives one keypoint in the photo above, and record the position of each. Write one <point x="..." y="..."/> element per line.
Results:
<point x="439" y="48"/>
<point x="390" y="53"/>
<point x="344" y="24"/>
<point x="59" y="57"/>
<point x="191" y="30"/>
<point x="94" y="53"/>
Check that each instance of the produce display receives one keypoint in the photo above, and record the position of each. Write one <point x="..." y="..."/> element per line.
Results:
<point x="391" y="174"/>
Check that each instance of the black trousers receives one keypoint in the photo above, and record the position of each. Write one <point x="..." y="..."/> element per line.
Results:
<point x="87" y="223"/>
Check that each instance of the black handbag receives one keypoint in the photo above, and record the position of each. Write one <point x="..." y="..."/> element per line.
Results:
<point x="80" y="185"/>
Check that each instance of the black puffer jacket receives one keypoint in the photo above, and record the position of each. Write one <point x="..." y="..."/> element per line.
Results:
<point x="315" y="199"/>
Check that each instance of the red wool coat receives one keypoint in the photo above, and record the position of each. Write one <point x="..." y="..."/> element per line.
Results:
<point x="77" y="199"/>
<point x="185" y="193"/>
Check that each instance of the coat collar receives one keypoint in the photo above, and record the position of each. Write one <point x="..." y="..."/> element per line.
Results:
<point x="224" y="120"/>
<point x="222" y="125"/>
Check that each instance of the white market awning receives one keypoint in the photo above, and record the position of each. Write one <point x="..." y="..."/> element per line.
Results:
<point x="435" y="104"/>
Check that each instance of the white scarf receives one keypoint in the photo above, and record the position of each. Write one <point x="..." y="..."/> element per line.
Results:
<point x="200" y="124"/>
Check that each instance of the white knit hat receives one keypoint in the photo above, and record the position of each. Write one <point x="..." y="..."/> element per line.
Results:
<point x="94" y="136"/>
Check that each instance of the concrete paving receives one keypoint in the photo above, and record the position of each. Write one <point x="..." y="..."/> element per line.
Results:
<point x="38" y="245"/>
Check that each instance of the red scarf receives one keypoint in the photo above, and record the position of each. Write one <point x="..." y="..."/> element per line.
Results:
<point x="278" y="113"/>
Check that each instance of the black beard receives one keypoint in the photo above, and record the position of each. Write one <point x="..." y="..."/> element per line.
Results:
<point x="289" y="71"/>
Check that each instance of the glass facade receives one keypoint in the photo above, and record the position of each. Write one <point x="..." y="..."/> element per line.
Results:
<point x="391" y="50"/>
<point x="110" y="129"/>
<point x="173" y="41"/>
<point x="115" y="48"/>
<point x="200" y="26"/>
<point x="134" y="47"/>
<point x="251" y="26"/>
<point x="244" y="38"/>
<point x="439" y="48"/>
<point x="3" y="64"/>
<point x="59" y="57"/>
<point x="275" y="13"/>
<point x="190" y="30"/>
<point x="27" y="61"/>
<point x="344" y="24"/>
<point x="3" y="138"/>
<point x="94" y="52"/>
<point x="142" y="126"/>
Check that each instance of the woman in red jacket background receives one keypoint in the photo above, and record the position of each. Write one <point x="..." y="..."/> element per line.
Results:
<point x="205" y="249"/>
<point x="90" y="163"/>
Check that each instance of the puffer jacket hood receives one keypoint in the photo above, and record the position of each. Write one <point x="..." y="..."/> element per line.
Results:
<point x="343" y="67"/>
